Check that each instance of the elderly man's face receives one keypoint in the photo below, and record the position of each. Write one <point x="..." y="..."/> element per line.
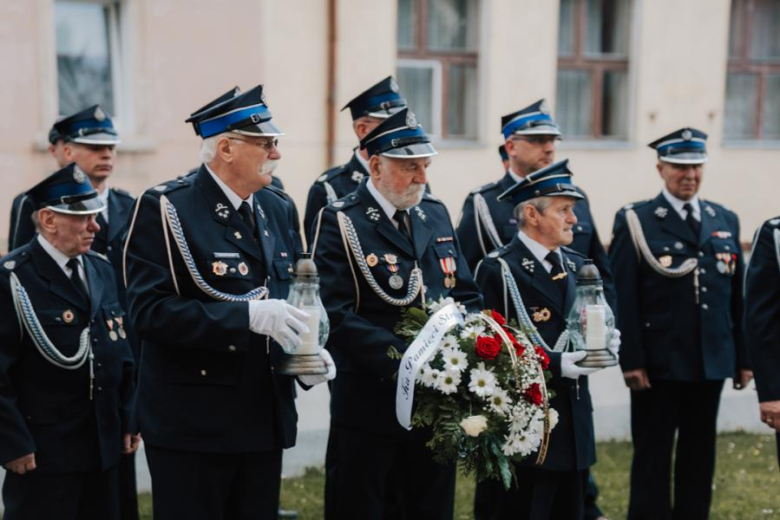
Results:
<point x="96" y="160"/>
<point x="553" y="226"/>
<point x="71" y="234"/>
<point x="530" y="153"/>
<point x="682" y="180"/>
<point x="401" y="181"/>
<point x="255" y="159"/>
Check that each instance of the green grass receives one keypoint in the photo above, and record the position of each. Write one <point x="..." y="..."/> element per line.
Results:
<point x="747" y="483"/>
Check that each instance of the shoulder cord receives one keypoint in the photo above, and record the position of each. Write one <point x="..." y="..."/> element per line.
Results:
<point x="483" y="213"/>
<point x="640" y="244"/>
<point x="170" y="221"/>
<point x="776" y="235"/>
<point x="522" y="313"/>
<point x="330" y="193"/>
<point x="349" y="235"/>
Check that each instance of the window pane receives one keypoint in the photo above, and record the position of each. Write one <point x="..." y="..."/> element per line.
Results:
<point x="462" y="101"/>
<point x="574" y="103"/>
<point x="407" y="24"/>
<point x="83" y="56"/>
<point x="566" y="33"/>
<point x="764" y="36"/>
<point x="416" y="83"/>
<point x="741" y="101"/>
<point x="452" y="25"/>
<point x="606" y="27"/>
<point x="771" y="112"/>
<point x="736" y="28"/>
<point x="614" y="103"/>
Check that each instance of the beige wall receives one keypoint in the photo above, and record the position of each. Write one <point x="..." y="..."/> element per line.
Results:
<point x="183" y="53"/>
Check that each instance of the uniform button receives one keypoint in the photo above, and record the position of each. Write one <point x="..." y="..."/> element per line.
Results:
<point x="702" y="271"/>
<point x="703" y="289"/>
<point x="232" y="348"/>
<point x="108" y="248"/>
<point x="203" y="372"/>
<point x="704" y="306"/>
<point x="100" y="365"/>
<point x="100" y="389"/>
<point x="647" y="325"/>
<point x="579" y="228"/>
<point x="701" y="253"/>
<point x="728" y="248"/>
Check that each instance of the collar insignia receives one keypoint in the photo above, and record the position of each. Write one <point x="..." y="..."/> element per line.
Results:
<point x="528" y="264"/>
<point x="708" y="209"/>
<point x="222" y="211"/>
<point x="358" y="176"/>
<point x="572" y="265"/>
<point x="260" y="210"/>
<point x="420" y="213"/>
<point x="373" y="214"/>
<point x="661" y="212"/>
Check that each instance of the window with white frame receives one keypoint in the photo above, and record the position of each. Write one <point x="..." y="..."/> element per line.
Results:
<point x="753" y="78"/>
<point x="592" y="86"/>
<point x="88" y="54"/>
<point x="438" y="62"/>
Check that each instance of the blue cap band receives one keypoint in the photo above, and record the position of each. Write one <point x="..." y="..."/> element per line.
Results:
<point x="256" y="114"/>
<point x="523" y="122"/>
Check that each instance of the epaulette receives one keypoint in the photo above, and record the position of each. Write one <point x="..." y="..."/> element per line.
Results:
<point x="345" y="202"/>
<point x="635" y="205"/>
<point x="572" y="252"/>
<point x="719" y="206"/>
<point x="14" y="259"/>
<point x="123" y="193"/>
<point x="98" y="255"/>
<point x="485" y="187"/>
<point x="333" y="172"/>
<point x="774" y="222"/>
<point x="430" y="197"/>
<point x="501" y="251"/>
<point x="171" y="185"/>
<point x="278" y="192"/>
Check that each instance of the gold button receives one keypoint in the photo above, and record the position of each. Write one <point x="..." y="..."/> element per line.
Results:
<point x="203" y="372"/>
<point x="232" y="348"/>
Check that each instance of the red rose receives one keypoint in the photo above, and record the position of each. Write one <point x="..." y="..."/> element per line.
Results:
<point x="487" y="347"/>
<point x="533" y="394"/>
<point x="516" y="344"/>
<point x="497" y="316"/>
<point x="543" y="357"/>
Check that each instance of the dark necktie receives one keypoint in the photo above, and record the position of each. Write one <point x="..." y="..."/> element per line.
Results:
<point x="694" y="224"/>
<point x="249" y="218"/>
<point x="73" y="264"/>
<point x="557" y="273"/>
<point x="402" y="219"/>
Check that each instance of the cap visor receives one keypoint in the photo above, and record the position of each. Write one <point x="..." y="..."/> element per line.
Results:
<point x="685" y="158"/>
<point x="97" y="139"/>
<point x="413" y="151"/>
<point x="567" y="193"/>
<point x="384" y="114"/>
<point x="265" y="128"/>
<point x="539" y="130"/>
<point x="82" y="207"/>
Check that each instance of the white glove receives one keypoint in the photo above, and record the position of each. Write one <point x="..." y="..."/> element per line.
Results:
<point x="278" y="319"/>
<point x="321" y="378"/>
<point x="570" y="369"/>
<point x="614" y="344"/>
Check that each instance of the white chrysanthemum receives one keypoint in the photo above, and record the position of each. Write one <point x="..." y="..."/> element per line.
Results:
<point x="472" y="331"/>
<point x="500" y="401"/>
<point x="553" y="418"/>
<point x="436" y="306"/>
<point x="520" y="416"/>
<point x="454" y="359"/>
<point x="519" y="443"/>
<point x="449" y="342"/>
<point x="430" y="377"/>
<point x="482" y="382"/>
<point x="448" y="381"/>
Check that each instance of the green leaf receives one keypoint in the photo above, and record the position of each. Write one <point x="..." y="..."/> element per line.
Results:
<point x="393" y="353"/>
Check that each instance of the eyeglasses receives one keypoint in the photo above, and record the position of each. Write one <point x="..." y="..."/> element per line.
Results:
<point x="265" y="144"/>
<point x="538" y="139"/>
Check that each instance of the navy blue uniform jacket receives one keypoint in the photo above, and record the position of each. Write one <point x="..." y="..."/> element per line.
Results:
<point x="207" y="383"/>
<point x="44" y="408"/>
<point x="363" y="394"/>
<point x="664" y="329"/>
<point x="572" y="443"/>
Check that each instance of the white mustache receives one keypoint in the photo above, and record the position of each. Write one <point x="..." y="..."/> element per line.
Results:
<point x="269" y="166"/>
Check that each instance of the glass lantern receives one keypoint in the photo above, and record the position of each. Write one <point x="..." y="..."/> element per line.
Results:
<point x="305" y="295"/>
<point x="591" y="323"/>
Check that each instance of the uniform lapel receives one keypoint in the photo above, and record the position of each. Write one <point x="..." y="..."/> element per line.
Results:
<point x="265" y="237"/>
<point x="117" y="215"/>
<point x="571" y="283"/>
<point x="421" y="231"/>
<point x="710" y="222"/>
<point x="95" y="285"/>
<point x="59" y="283"/>
<point x="541" y="281"/>
<point x="223" y="212"/>
<point x="672" y="223"/>
<point x="382" y="222"/>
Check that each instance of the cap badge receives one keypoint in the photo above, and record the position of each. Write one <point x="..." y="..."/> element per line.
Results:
<point x="78" y="175"/>
<point x="99" y="114"/>
<point x="393" y="85"/>
<point x="661" y="212"/>
<point x="411" y="120"/>
<point x="544" y="107"/>
<point x="687" y="135"/>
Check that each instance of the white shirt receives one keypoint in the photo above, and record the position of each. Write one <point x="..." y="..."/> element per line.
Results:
<point x="62" y="259"/>
<point x="387" y="206"/>
<point x="677" y="205"/>
<point x="231" y="195"/>
<point x="361" y="160"/>
<point x="103" y="198"/>
<point x="515" y="177"/>
<point x="539" y="251"/>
